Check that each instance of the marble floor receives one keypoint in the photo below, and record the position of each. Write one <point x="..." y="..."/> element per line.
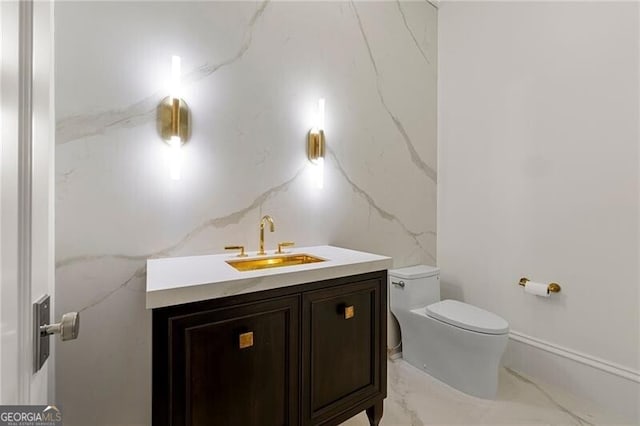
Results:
<point x="416" y="399"/>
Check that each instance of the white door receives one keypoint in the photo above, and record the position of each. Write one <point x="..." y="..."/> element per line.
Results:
<point x="26" y="195"/>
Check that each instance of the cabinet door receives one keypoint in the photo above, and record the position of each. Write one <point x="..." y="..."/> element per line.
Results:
<point x="341" y="348"/>
<point x="235" y="366"/>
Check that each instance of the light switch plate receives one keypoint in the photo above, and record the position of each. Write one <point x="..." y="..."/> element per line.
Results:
<point x="41" y="316"/>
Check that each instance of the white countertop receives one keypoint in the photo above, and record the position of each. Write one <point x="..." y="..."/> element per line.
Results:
<point x="177" y="280"/>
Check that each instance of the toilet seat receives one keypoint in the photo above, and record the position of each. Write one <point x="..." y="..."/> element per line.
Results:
<point x="468" y="317"/>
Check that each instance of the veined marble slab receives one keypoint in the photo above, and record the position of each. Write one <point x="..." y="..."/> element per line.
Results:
<point x="177" y="280"/>
<point x="253" y="73"/>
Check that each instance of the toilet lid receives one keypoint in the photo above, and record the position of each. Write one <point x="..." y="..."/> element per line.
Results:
<point x="468" y="317"/>
<point x="414" y="272"/>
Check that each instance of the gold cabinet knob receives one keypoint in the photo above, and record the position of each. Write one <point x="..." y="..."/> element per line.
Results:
<point x="246" y="340"/>
<point x="349" y="312"/>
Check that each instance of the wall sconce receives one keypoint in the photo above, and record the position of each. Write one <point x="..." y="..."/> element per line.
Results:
<point x="316" y="145"/>
<point x="173" y="121"/>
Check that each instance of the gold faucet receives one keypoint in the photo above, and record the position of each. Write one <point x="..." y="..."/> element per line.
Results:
<point x="265" y="218"/>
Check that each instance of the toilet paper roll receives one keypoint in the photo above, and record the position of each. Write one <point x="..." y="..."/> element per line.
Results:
<point x="538" y="289"/>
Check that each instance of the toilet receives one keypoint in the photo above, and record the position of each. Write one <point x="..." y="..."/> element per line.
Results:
<point x="457" y="343"/>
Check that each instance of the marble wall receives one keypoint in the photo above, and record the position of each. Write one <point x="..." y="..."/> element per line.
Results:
<point x="253" y="73"/>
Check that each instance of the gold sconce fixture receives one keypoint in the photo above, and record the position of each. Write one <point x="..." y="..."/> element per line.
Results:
<point x="316" y="145"/>
<point x="315" y="148"/>
<point x="174" y="120"/>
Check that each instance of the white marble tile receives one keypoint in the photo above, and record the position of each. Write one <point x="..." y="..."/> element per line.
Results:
<point x="417" y="399"/>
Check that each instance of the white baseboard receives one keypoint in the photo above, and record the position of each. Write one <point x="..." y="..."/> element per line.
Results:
<point x="595" y="362"/>
<point x="610" y="385"/>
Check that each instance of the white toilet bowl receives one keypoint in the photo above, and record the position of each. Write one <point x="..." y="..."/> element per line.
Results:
<point x="454" y="342"/>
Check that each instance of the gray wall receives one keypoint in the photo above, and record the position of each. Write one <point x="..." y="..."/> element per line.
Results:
<point x="538" y="162"/>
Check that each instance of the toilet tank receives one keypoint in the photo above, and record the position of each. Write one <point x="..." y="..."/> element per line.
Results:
<point x="413" y="287"/>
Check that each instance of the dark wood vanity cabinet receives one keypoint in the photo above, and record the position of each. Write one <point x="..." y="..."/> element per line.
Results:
<point x="249" y="351"/>
<point x="340" y="344"/>
<point x="311" y="354"/>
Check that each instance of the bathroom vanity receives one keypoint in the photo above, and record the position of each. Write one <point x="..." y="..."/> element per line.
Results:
<point x="303" y="344"/>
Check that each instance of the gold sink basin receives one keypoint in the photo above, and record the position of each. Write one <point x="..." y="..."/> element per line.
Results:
<point x="273" y="262"/>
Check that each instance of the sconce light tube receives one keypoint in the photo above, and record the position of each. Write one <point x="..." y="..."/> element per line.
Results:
<point x="315" y="138"/>
<point x="175" y="77"/>
<point x="321" y="114"/>
<point x="316" y="146"/>
<point x="174" y="120"/>
<point x="175" y="158"/>
<point x="319" y="173"/>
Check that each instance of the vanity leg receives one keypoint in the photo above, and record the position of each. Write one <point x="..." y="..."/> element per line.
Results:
<point x="375" y="413"/>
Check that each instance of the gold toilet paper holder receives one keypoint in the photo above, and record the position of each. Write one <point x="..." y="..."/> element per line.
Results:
<point x="551" y="288"/>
